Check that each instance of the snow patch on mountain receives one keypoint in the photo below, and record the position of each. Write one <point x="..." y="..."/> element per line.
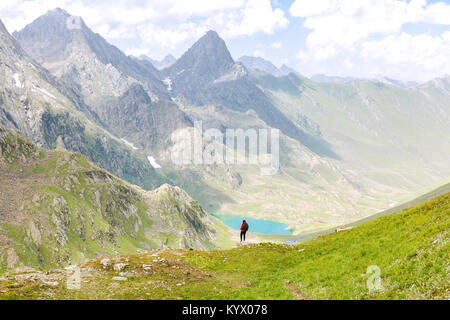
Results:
<point x="17" y="80"/>
<point x="128" y="143"/>
<point x="44" y="92"/>
<point x="153" y="162"/>
<point x="168" y="83"/>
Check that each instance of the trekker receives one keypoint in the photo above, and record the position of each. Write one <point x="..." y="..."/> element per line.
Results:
<point x="244" y="228"/>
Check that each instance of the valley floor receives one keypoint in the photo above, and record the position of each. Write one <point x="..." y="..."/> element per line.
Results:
<point x="402" y="256"/>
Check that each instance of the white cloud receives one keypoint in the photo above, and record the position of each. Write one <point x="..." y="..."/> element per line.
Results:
<point x="430" y="54"/>
<point x="258" y="16"/>
<point x="312" y="8"/>
<point x="370" y="32"/>
<point x="156" y="26"/>
<point x="276" y="45"/>
<point x="259" y="54"/>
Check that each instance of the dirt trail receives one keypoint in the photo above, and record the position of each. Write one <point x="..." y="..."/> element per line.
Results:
<point x="293" y="289"/>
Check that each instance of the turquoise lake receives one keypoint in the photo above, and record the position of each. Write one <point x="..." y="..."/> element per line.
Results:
<point x="255" y="225"/>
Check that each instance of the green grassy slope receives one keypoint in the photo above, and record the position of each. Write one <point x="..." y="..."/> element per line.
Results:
<point x="410" y="249"/>
<point x="57" y="208"/>
<point x="405" y="205"/>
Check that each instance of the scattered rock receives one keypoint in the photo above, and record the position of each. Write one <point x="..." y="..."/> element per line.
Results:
<point x="50" y="283"/>
<point x="120" y="266"/>
<point x="25" y="269"/>
<point x="342" y="229"/>
<point x="120" y="278"/>
<point x="105" y="263"/>
<point x="28" y="277"/>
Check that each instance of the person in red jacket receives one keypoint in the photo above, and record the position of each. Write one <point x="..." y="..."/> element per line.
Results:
<point x="244" y="228"/>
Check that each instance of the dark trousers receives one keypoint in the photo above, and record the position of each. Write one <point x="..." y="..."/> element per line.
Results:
<point x="243" y="234"/>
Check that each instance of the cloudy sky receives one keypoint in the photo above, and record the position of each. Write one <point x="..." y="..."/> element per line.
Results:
<point x="407" y="40"/>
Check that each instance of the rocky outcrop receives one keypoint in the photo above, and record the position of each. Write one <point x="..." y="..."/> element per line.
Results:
<point x="53" y="115"/>
<point x="179" y="211"/>
<point x="68" y="210"/>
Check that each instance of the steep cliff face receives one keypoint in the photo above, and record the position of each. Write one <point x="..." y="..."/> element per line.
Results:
<point x="119" y="89"/>
<point x="149" y="124"/>
<point x="58" y="208"/>
<point x="83" y="57"/>
<point x="52" y="114"/>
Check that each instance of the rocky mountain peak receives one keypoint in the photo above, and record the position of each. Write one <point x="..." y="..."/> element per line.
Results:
<point x="2" y="27"/>
<point x="208" y="58"/>
<point x="213" y="47"/>
<point x="62" y="44"/>
<point x="258" y="63"/>
<point x="265" y="66"/>
<point x="47" y="37"/>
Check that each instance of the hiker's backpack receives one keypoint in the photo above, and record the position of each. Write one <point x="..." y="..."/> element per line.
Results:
<point x="245" y="226"/>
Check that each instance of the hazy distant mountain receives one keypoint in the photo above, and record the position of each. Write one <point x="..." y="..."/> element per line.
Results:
<point x="375" y="124"/>
<point x="398" y="83"/>
<point x="285" y="70"/>
<point x="258" y="63"/>
<point x="441" y="84"/>
<point x="160" y="64"/>
<point x="264" y="65"/>
<point x="322" y="78"/>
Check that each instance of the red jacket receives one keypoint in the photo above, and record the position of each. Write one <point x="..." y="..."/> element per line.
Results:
<point x="243" y="229"/>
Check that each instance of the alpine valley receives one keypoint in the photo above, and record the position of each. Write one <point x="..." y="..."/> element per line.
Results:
<point x="87" y="137"/>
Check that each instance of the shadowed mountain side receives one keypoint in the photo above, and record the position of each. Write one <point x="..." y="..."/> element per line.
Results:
<point x="207" y="74"/>
<point x="241" y="95"/>
<point x="135" y="115"/>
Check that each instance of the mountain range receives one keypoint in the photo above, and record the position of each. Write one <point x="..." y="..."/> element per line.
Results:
<point x="322" y="78"/>
<point x="348" y="149"/>
<point x="265" y="65"/>
<point x="167" y="61"/>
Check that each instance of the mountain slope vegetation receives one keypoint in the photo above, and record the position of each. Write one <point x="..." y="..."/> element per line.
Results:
<point x="409" y="249"/>
<point x="58" y="208"/>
